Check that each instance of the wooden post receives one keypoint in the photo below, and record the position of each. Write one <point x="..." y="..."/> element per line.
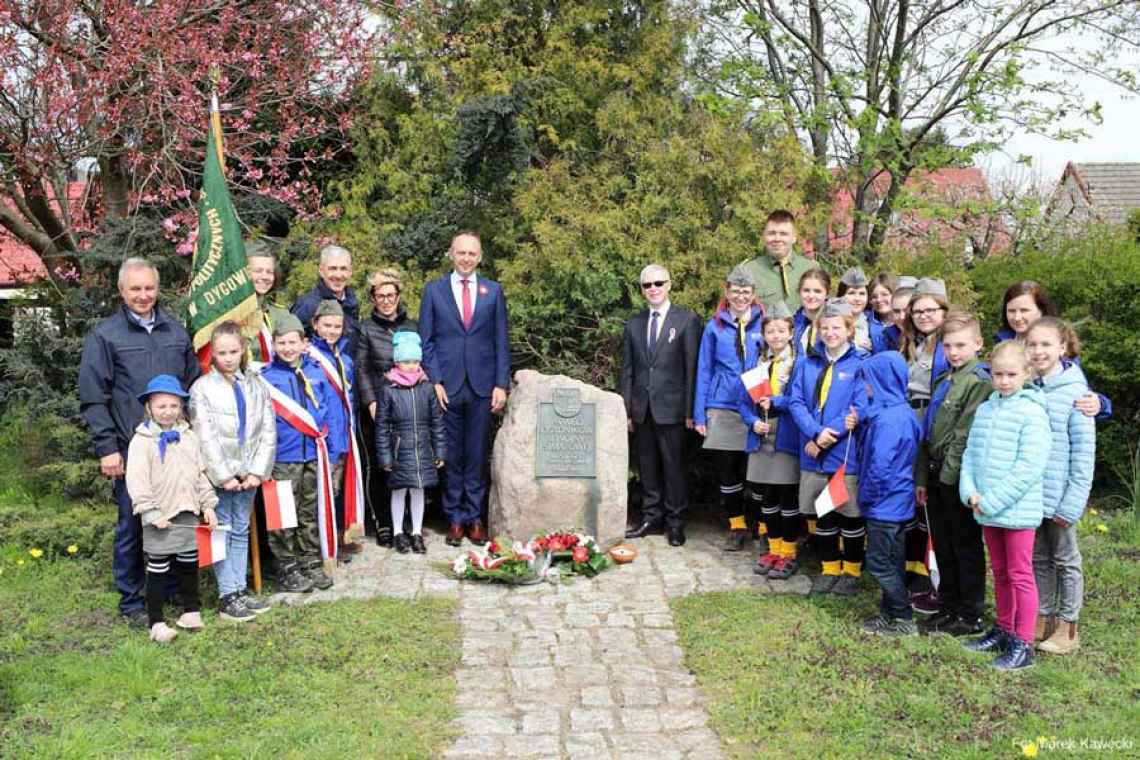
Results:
<point x="254" y="549"/>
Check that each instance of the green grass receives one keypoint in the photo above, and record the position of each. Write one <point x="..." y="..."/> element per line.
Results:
<point x="794" y="677"/>
<point x="347" y="679"/>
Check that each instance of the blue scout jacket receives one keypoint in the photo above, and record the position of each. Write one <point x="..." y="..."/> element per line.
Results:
<point x="888" y="438"/>
<point x="1005" y="460"/>
<point x="336" y="416"/>
<point x="787" y="434"/>
<point x="1072" y="455"/>
<point x="719" y="365"/>
<point x="292" y="446"/>
<point x="803" y="404"/>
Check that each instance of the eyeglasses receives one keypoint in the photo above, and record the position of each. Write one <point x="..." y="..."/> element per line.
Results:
<point x="654" y="284"/>
<point x="385" y="296"/>
<point x="926" y="312"/>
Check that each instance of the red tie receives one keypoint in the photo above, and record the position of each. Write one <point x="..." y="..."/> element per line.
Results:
<point x="466" y="304"/>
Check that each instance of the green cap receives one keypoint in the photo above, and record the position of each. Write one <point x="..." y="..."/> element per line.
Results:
<point x="287" y="324"/>
<point x="328" y="308"/>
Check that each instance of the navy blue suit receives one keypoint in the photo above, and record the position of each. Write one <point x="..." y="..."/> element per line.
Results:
<point x="470" y="362"/>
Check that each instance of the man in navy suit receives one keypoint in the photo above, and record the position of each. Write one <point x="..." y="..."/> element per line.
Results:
<point x="467" y="354"/>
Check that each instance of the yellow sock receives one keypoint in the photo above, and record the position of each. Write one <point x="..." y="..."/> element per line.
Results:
<point x="832" y="568"/>
<point x="737" y="523"/>
<point x="811" y="525"/>
<point x="789" y="549"/>
<point x="763" y="529"/>
<point x="776" y="547"/>
<point x="854" y="569"/>
<point x="916" y="567"/>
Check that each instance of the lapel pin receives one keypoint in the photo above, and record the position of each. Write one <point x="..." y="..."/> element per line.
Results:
<point x="672" y="333"/>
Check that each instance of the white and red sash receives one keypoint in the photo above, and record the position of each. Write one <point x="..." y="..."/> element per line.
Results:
<point x="353" y="474"/>
<point x="300" y="420"/>
<point x="265" y="343"/>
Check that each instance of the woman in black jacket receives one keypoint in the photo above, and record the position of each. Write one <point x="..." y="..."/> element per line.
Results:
<point x="373" y="359"/>
<point x="409" y="437"/>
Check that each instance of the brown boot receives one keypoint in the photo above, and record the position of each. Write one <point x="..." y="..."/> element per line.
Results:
<point x="1046" y="624"/>
<point x="1065" y="640"/>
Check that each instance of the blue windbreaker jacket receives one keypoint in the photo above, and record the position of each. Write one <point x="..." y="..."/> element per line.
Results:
<point x="888" y="438"/>
<point x="803" y="404"/>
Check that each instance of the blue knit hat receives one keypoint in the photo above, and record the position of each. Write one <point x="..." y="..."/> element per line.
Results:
<point x="163" y="384"/>
<point x="406" y="347"/>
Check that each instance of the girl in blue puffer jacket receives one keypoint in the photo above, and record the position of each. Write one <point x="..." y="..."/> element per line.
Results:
<point x="823" y="389"/>
<point x="730" y="343"/>
<point x="1068" y="480"/>
<point x="1002" y="480"/>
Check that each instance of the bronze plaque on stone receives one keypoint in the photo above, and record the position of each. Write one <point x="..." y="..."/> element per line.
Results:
<point x="565" y="444"/>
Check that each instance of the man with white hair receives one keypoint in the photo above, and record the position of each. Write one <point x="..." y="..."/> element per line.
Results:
<point x="658" y="370"/>
<point x="335" y="270"/>
<point x="120" y="356"/>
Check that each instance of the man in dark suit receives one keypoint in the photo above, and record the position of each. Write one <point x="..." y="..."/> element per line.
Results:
<point x="467" y="354"/>
<point x="658" y="369"/>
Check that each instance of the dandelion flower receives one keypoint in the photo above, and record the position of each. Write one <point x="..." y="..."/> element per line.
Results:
<point x="72" y="549"/>
<point x="1029" y="749"/>
<point x="36" y="553"/>
<point x="1102" y="528"/>
<point x="19" y="562"/>
<point x="1093" y="511"/>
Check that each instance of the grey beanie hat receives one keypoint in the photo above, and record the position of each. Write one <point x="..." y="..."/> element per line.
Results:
<point x="779" y="310"/>
<point x="328" y="308"/>
<point x="287" y="324"/>
<point x="741" y="277"/>
<point x="836" y="307"/>
<point x="855" y="277"/>
<point x="906" y="281"/>
<point x="929" y="286"/>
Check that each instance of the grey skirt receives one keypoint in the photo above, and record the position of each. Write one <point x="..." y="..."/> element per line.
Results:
<point x="726" y="431"/>
<point x="766" y="465"/>
<point x="173" y="540"/>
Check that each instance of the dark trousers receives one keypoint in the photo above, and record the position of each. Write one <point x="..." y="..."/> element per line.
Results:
<point x="127" y="564"/>
<point x="886" y="562"/>
<point x="960" y="552"/>
<point x="660" y="461"/>
<point x="377" y="517"/>
<point x="300" y="546"/>
<point x="467" y="427"/>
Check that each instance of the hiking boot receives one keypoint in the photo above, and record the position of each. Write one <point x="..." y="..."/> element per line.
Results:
<point x="137" y="618"/>
<point x="319" y="578"/>
<point x="925" y="602"/>
<point x="253" y="603"/>
<point x="766" y="564"/>
<point x="384" y="538"/>
<point x="1046" y="625"/>
<point x="190" y="621"/>
<point x="735" y="540"/>
<point x="996" y="640"/>
<point x="402" y="543"/>
<point x="1018" y="656"/>
<point x="293" y="581"/>
<point x="847" y="585"/>
<point x="232" y="607"/>
<point x="876" y="624"/>
<point x="418" y="544"/>
<point x="1065" y="640"/>
<point x="881" y="625"/>
<point x="788" y="567"/>
<point x="162" y="633"/>
<point x="823" y="584"/>
<point x="938" y="622"/>
<point x="962" y="626"/>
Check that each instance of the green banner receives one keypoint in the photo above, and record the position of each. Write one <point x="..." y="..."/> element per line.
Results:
<point x="220" y="288"/>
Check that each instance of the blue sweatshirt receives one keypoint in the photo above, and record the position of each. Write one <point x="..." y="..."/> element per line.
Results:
<point x="292" y="446"/>
<point x="719" y="364"/>
<point x="888" y="438"/>
<point x="803" y="404"/>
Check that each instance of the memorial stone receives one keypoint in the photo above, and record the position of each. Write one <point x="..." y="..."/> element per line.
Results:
<point x="561" y="460"/>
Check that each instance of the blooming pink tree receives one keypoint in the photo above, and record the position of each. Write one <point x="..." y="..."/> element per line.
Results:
<point x="122" y="87"/>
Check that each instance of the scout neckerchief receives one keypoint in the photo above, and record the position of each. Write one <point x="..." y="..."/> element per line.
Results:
<point x="353" y="474"/>
<point x="823" y="387"/>
<point x="778" y="370"/>
<point x="299" y="418"/>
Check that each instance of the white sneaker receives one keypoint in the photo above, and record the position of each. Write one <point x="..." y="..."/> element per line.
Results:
<point x="190" y="621"/>
<point x="162" y="633"/>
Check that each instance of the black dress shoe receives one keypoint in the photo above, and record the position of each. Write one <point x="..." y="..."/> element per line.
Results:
<point x="676" y="536"/>
<point x="647" y="528"/>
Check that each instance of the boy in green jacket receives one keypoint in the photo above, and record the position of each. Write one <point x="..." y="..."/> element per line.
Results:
<point x="957" y="537"/>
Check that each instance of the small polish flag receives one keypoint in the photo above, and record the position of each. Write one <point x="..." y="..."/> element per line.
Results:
<point x="931" y="562"/>
<point x="211" y="545"/>
<point x="757" y="384"/>
<point x="835" y="495"/>
<point x="280" y="508"/>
